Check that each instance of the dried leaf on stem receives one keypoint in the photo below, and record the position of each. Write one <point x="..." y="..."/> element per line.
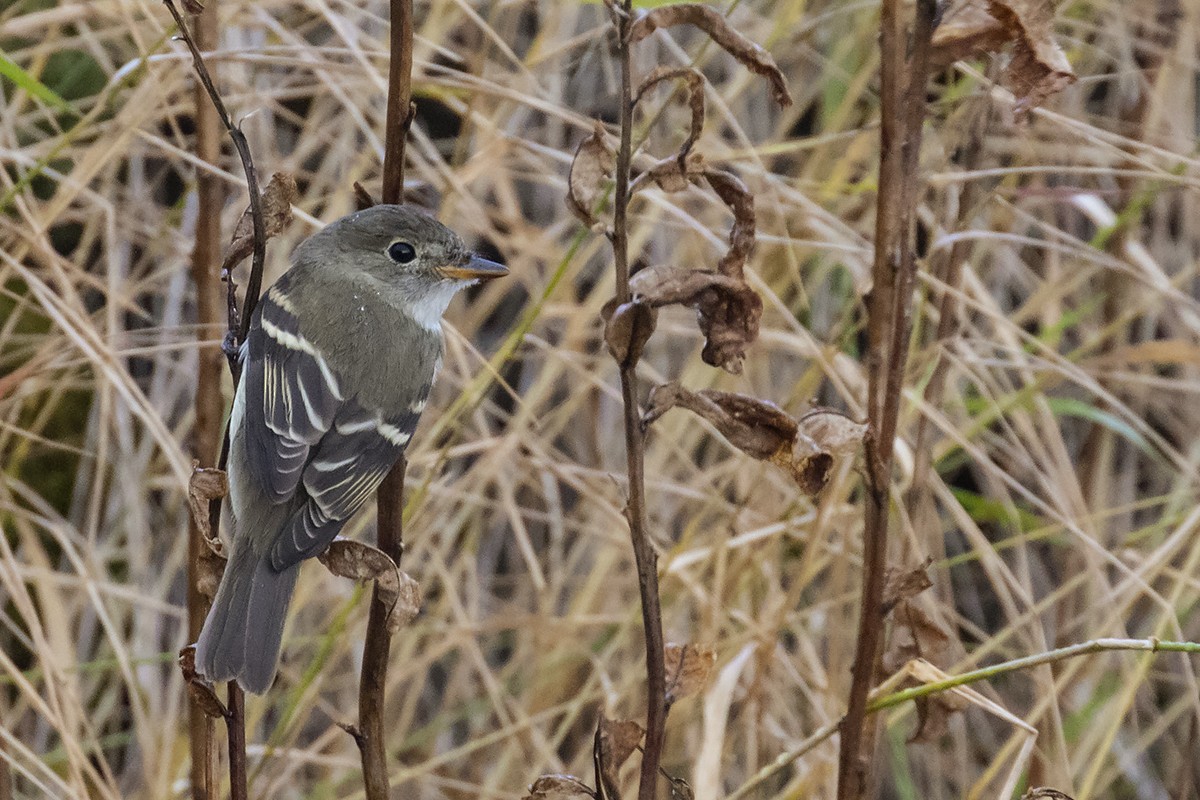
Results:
<point x="1039" y="67"/>
<point x="694" y="83"/>
<point x="728" y="38"/>
<point x="591" y="170"/>
<point x="276" y="204"/>
<point x="689" y="667"/>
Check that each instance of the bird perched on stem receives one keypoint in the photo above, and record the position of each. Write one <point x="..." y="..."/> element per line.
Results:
<point x="339" y="361"/>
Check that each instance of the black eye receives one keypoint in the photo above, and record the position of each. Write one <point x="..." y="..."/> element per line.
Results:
<point x="401" y="252"/>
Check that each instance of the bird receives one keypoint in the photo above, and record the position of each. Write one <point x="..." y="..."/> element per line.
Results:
<point x="340" y="357"/>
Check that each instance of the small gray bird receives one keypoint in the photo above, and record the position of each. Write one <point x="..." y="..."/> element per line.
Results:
<point x="340" y="358"/>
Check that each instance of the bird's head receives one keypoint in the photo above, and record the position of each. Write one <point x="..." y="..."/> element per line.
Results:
<point x="420" y="261"/>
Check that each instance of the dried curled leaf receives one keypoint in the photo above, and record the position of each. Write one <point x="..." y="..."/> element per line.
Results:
<point x="591" y="169"/>
<point x="205" y="485"/>
<point x="904" y="584"/>
<point x="807" y="449"/>
<point x="694" y="82"/>
<point x="347" y="558"/>
<point x="1039" y="67"/>
<point x="614" y="742"/>
<point x="619" y="738"/>
<point x="406" y="605"/>
<point x="728" y="311"/>
<point x="277" y="201"/>
<point x="728" y="38"/>
<point x="756" y="427"/>
<point x="559" y="787"/>
<point x="688" y="668"/>
<point x="201" y="692"/>
<point x="919" y="637"/>
<point x="627" y="328"/>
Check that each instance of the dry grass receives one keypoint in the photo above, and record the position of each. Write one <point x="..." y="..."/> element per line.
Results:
<point x="1060" y="504"/>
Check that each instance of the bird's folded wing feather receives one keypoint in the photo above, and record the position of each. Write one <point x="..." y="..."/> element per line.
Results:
<point x="304" y="436"/>
<point x="292" y="397"/>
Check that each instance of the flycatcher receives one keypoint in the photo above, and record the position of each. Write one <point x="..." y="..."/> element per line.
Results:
<point x="341" y="355"/>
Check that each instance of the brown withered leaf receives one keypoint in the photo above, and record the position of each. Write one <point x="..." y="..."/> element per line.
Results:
<point x="694" y="83"/>
<point x="756" y="427"/>
<point x="734" y="193"/>
<point x="902" y="584"/>
<point x="205" y="485"/>
<point x="627" y="328"/>
<point x="277" y="201"/>
<point x="199" y="689"/>
<point x="1039" y="67"/>
<point x="591" y="169"/>
<point x="407" y="604"/>
<point x="917" y="636"/>
<point x="966" y="29"/>
<point x="728" y="311"/>
<point x="357" y="561"/>
<point x="811" y="472"/>
<point x="619" y="738"/>
<point x="612" y="745"/>
<point x="193" y="6"/>
<point x="672" y="174"/>
<point x="688" y="668"/>
<point x="728" y="38"/>
<point x="559" y="787"/>
<point x="829" y="431"/>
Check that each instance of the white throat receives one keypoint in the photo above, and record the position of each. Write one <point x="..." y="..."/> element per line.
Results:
<point x="427" y="310"/>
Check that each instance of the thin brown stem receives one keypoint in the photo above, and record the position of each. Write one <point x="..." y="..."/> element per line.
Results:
<point x="635" y="510"/>
<point x="206" y="435"/>
<point x="372" y="744"/>
<point x="238" y="329"/>
<point x="888" y="323"/>
<point x="399" y="104"/>
<point x="236" y="333"/>
<point x="236" y="721"/>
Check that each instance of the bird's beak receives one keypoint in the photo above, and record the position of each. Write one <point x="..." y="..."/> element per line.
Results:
<point x="475" y="269"/>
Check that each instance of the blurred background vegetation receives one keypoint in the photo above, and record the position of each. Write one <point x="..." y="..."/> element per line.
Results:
<point x="1047" y="457"/>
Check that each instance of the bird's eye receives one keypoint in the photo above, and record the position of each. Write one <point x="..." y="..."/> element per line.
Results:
<point x="401" y="252"/>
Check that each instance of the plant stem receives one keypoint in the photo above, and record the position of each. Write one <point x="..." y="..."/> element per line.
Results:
<point x="206" y="435"/>
<point x="390" y="498"/>
<point x="635" y="456"/>
<point x="888" y="317"/>
<point x="236" y="720"/>
<point x="237" y="742"/>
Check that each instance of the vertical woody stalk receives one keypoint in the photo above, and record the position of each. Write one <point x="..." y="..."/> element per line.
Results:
<point x="635" y="510"/>
<point x="206" y="439"/>
<point x="390" y="499"/>
<point x="235" y="718"/>
<point x="888" y="321"/>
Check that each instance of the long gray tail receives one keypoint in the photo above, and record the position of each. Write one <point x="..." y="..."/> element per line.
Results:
<point x="242" y="633"/>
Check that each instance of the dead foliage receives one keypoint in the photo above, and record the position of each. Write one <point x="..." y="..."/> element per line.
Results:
<point x="689" y="667"/>
<point x="750" y="55"/>
<point x="1038" y="67"/>
<point x="277" y="200"/>
<point x="358" y="561"/>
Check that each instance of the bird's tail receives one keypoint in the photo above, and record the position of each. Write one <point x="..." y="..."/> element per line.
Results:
<point x="241" y="636"/>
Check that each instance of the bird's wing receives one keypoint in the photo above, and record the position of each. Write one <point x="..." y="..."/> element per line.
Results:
<point x="346" y="467"/>
<point x="292" y="397"/>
